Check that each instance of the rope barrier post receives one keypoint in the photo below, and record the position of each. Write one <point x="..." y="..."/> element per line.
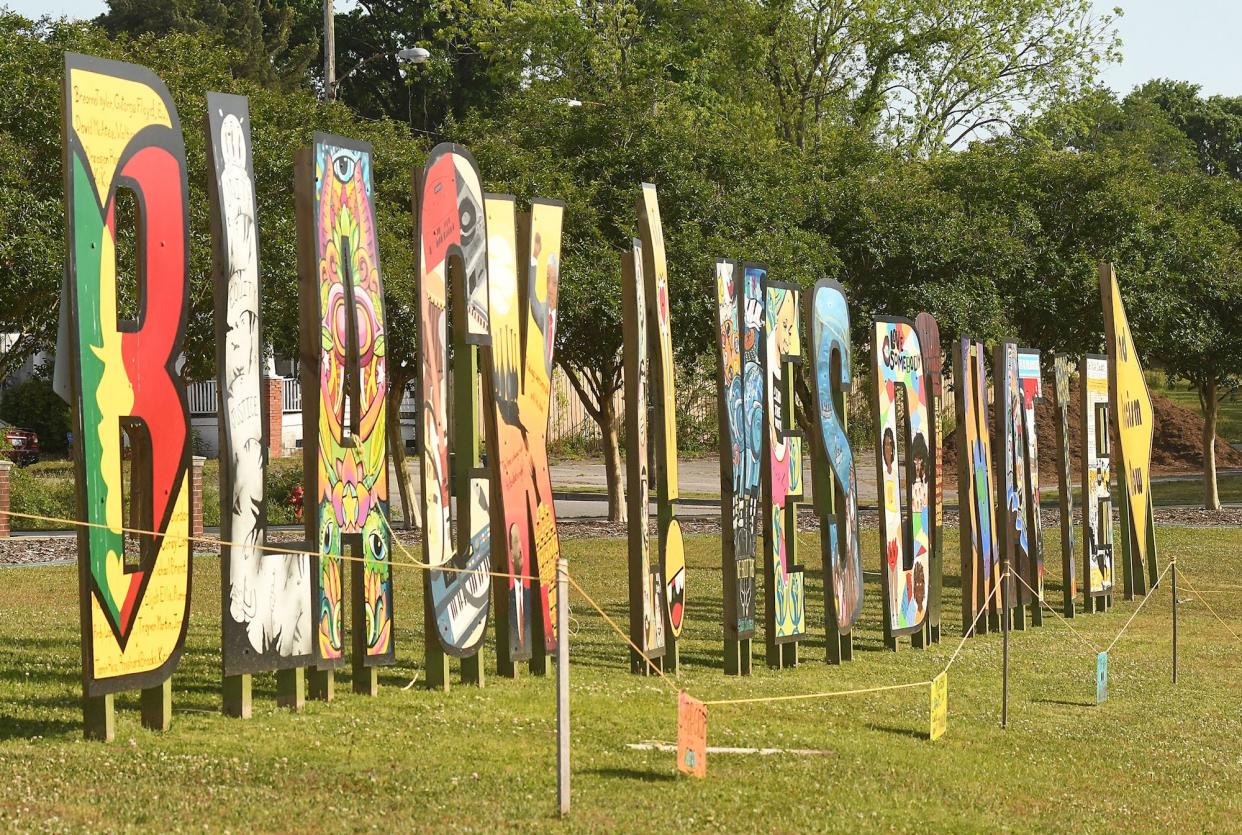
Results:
<point x="562" y="688"/>
<point x="1005" y="646"/>
<point x="1173" y="562"/>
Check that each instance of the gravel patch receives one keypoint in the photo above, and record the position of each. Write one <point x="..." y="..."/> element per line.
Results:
<point x="61" y="549"/>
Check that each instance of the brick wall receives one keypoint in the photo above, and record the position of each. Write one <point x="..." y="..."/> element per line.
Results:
<point x="196" y="495"/>
<point x="274" y="411"/>
<point x="5" y="526"/>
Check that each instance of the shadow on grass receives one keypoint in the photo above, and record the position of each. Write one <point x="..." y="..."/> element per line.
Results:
<point x="13" y="727"/>
<point x="892" y="729"/>
<point x="1066" y="702"/>
<point x="634" y="774"/>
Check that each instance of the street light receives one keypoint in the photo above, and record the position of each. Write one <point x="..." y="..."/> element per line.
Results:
<point x="409" y="55"/>
<point x="414" y="55"/>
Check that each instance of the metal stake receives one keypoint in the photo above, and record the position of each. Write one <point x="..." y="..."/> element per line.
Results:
<point x="1005" y="647"/>
<point x="562" y="685"/>
<point x="1174" y="620"/>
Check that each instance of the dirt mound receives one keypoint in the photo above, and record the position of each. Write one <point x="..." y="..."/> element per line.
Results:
<point x="1175" y="448"/>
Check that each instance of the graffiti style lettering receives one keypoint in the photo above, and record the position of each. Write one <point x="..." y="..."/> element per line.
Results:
<point x="897" y="359"/>
<point x="266" y="616"/>
<point x="123" y="132"/>
<point x="452" y="230"/>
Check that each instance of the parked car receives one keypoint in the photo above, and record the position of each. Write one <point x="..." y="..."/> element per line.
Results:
<point x="23" y="444"/>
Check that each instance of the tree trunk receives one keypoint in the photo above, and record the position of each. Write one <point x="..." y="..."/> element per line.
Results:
<point x="595" y="389"/>
<point x="396" y="445"/>
<point x="1209" y="398"/>
<point x="613" y="474"/>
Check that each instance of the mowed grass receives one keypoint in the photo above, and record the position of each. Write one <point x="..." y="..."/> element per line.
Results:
<point x="1154" y="757"/>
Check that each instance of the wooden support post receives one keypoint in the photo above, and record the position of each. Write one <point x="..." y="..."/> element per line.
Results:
<point x="472" y="669"/>
<point x="320" y="684"/>
<point x="737" y="657"/>
<point x="1133" y="584"/>
<point x="435" y="660"/>
<point x="365" y="676"/>
<point x="157" y="706"/>
<point x="291" y="688"/>
<point x="538" y="664"/>
<point x="237" y="696"/>
<point x="99" y="718"/>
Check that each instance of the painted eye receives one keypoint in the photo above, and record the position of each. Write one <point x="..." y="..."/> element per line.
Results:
<point x="377" y="546"/>
<point x="329" y="534"/>
<point x="343" y="167"/>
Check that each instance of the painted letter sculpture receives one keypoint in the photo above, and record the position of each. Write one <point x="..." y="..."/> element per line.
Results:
<point x="1130" y="402"/>
<point x="122" y="133"/>
<point x="671" y="549"/>
<point x="976" y="493"/>
<point x="1011" y="498"/>
<point x="647" y="603"/>
<point x="345" y="385"/>
<point x="452" y="233"/>
<point x="785" y="586"/>
<point x="522" y="295"/>
<point x="1097" y="511"/>
<point x="928" y="329"/>
<point x="897" y="359"/>
<point x="740" y="409"/>
<point x="835" y="479"/>
<point x="1031" y="394"/>
<point x="1062" y="370"/>
<point x="265" y="595"/>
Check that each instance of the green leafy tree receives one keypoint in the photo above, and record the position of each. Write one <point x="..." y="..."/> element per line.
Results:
<point x="274" y="42"/>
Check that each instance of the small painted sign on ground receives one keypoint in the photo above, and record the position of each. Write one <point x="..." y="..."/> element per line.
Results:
<point x="939" y="705"/>
<point x="691" y="735"/>
<point x="1101" y="678"/>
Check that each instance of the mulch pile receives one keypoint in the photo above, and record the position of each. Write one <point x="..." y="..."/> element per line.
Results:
<point x="1176" y="448"/>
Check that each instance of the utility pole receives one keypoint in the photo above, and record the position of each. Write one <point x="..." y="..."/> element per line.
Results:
<point x="329" y="51"/>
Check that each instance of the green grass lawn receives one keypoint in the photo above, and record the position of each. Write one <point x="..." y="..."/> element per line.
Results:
<point x="1154" y="757"/>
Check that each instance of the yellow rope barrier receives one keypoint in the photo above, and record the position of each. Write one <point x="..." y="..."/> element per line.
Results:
<point x="591" y="601"/>
<point x="270" y="549"/>
<point x="1147" y="597"/>
<point x="1184" y="579"/>
<point x="1062" y="617"/>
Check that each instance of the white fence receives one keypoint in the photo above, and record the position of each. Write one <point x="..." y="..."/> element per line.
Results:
<point x="568" y="417"/>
